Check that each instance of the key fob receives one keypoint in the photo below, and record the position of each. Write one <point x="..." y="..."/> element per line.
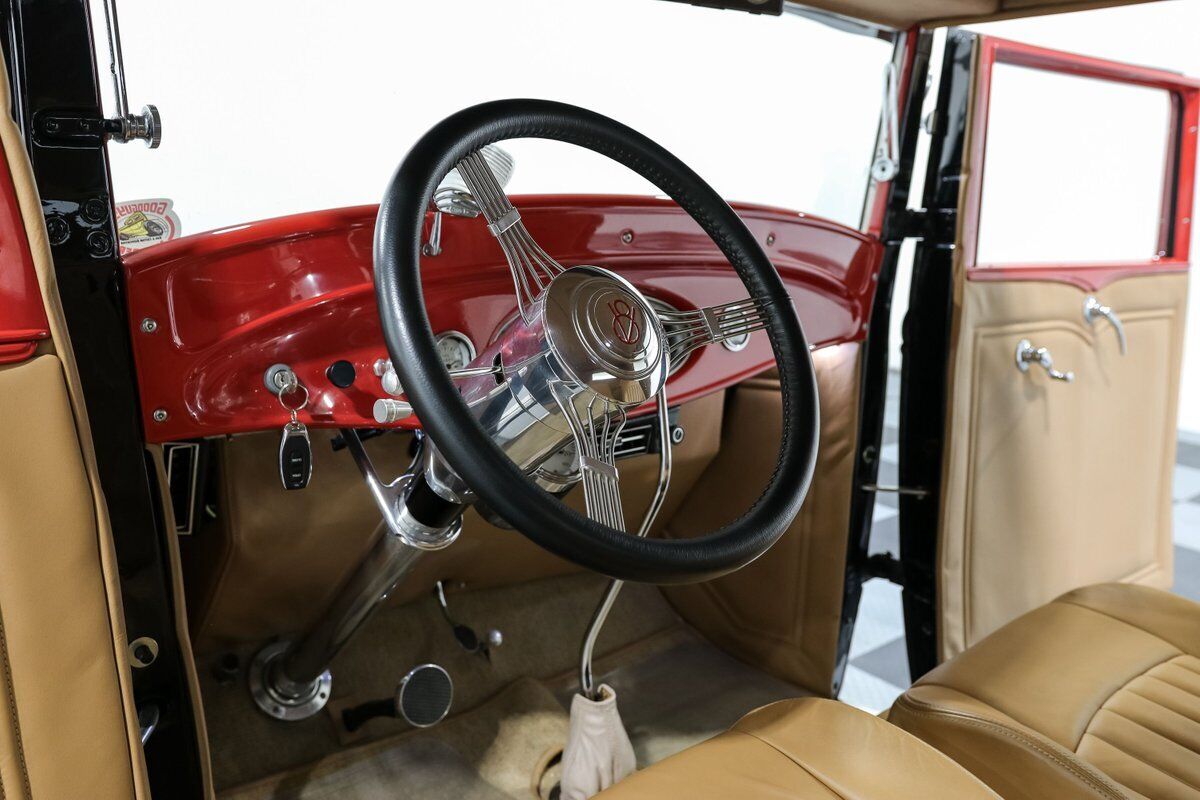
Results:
<point x="295" y="456"/>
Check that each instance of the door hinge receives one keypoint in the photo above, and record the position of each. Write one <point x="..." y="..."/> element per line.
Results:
<point x="886" y="566"/>
<point x="65" y="128"/>
<point x="936" y="224"/>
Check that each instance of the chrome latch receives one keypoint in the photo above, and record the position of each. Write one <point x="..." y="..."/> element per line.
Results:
<point x="1028" y="354"/>
<point x="1093" y="308"/>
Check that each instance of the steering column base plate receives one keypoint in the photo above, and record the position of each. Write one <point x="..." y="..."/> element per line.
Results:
<point x="280" y="698"/>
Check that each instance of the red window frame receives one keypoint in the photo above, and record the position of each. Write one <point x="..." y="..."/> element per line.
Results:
<point x="1179" y="171"/>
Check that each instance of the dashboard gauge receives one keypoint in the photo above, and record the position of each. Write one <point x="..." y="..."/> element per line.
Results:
<point x="560" y="470"/>
<point x="456" y="349"/>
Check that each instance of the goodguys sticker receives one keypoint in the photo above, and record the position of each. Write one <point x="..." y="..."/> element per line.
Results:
<point x="142" y="223"/>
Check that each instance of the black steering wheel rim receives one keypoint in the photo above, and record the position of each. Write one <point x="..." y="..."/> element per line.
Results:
<point x="465" y="445"/>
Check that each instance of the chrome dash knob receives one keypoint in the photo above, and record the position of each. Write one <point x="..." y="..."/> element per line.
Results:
<point x="388" y="411"/>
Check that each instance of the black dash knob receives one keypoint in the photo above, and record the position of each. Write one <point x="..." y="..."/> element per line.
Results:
<point x="341" y="374"/>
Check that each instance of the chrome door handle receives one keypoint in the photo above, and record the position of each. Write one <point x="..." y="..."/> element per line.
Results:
<point x="1093" y="308"/>
<point x="1028" y="354"/>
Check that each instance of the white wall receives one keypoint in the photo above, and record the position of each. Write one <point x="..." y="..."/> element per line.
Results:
<point x="1163" y="35"/>
<point x="281" y="106"/>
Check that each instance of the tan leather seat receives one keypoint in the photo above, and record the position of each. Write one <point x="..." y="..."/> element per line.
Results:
<point x="801" y="750"/>
<point x="1095" y="695"/>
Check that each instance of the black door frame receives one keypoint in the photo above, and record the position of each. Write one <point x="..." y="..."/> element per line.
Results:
<point x="50" y="55"/>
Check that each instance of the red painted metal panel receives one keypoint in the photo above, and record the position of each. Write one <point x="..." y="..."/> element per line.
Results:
<point x="298" y="290"/>
<point x="22" y="314"/>
<point x="1179" y="171"/>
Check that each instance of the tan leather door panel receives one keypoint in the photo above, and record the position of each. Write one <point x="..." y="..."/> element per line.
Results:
<point x="1054" y="485"/>
<point x="68" y="728"/>
<point x="1048" y="485"/>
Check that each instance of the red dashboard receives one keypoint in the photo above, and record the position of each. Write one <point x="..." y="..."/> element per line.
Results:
<point x="210" y="313"/>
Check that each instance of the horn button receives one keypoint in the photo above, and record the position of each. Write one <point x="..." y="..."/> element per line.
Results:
<point x="605" y="334"/>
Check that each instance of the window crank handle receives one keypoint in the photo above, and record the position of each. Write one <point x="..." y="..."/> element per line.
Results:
<point x="1028" y="354"/>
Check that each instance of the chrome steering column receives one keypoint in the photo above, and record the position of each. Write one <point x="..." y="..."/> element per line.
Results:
<point x="557" y="374"/>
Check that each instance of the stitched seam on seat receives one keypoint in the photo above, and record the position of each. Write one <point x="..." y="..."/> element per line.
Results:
<point x="1166" y="682"/>
<point x="1180" y="661"/>
<point x="1154" y="767"/>
<point x="1104" y="703"/>
<point x="1149" y="730"/>
<point x="792" y="758"/>
<point x="1165" y="708"/>
<point x="12" y="708"/>
<point x="1090" y="779"/>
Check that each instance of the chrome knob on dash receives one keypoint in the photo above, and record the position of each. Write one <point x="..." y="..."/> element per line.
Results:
<point x="387" y="411"/>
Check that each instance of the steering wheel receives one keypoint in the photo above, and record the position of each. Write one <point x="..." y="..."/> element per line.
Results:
<point x="588" y="319"/>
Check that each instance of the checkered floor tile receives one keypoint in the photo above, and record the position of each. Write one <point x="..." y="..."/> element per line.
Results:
<point x="878" y="669"/>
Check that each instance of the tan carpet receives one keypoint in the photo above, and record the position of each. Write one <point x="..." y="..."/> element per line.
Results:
<point x="490" y="753"/>
<point x="542" y="621"/>
<point x="675" y="689"/>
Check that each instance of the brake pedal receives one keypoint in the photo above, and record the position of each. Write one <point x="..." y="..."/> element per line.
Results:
<point x="422" y="699"/>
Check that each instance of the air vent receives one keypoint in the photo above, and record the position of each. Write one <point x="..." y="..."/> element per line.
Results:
<point x="640" y="436"/>
<point x="185" y="463"/>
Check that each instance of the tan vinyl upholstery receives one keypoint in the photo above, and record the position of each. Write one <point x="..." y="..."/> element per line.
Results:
<point x="68" y="728"/>
<point x="802" y="750"/>
<point x="273" y="559"/>
<point x="1095" y="695"/>
<point x="1051" y="486"/>
<point x="783" y="611"/>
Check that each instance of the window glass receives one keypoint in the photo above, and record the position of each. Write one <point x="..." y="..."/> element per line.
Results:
<point x="1074" y="169"/>
<point x="278" y="107"/>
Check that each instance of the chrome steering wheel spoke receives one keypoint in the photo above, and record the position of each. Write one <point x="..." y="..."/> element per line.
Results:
<point x="532" y="267"/>
<point x="595" y="428"/>
<point x="690" y="330"/>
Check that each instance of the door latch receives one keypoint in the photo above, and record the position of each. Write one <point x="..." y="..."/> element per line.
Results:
<point x="1028" y="354"/>
<point x="1093" y="308"/>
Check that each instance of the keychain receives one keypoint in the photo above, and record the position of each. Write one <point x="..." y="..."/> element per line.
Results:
<point x="295" y="449"/>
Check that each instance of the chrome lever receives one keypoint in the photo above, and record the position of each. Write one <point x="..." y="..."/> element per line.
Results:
<point x="1028" y="354"/>
<point x="1093" y="308"/>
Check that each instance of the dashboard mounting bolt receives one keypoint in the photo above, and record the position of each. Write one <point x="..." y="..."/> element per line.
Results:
<point x="627" y="236"/>
<point x="159" y="415"/>
<point x="149" y="325"/>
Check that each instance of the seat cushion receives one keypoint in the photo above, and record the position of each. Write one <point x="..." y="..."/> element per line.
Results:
<point x="805" y="748"/>
<point x="1095" y="695"/>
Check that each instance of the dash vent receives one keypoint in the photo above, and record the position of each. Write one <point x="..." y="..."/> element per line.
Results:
<point x="640" y="436"/>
